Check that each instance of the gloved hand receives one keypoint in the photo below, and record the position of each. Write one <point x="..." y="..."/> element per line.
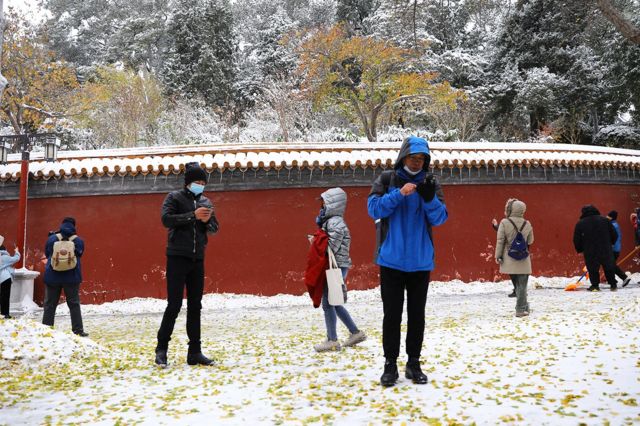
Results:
<point x="427" y="189"/>
<point x="499" y="260"/>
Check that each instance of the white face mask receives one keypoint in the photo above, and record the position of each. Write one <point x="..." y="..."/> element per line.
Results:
<point x="408" y="170"/>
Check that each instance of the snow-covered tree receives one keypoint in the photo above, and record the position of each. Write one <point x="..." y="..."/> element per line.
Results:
<point x="200" y="59"/>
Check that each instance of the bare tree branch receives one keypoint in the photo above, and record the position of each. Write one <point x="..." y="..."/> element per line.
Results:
<point x="622" y="24"/>
<point x="3" y="80"/>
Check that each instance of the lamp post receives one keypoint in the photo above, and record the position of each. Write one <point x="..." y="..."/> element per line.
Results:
<point x="51" y="145"/>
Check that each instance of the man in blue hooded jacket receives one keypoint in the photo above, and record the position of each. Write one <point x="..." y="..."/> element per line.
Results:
<point x="69" y="281"/>
<point x="405" y="202"/>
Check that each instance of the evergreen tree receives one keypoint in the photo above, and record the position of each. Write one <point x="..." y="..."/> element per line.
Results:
<point x="200" y="60"/>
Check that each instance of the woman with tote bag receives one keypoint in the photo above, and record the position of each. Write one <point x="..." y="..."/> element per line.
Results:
<point x="330" y="220"/>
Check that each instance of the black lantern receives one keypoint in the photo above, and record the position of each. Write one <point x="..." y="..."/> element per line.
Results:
<point x="51" y="145"/>
<point x="4" y="151"/>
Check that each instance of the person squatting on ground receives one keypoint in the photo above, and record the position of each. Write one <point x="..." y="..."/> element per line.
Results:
<point x="63" y="271"/>
<point x="189" y="216"/>
<point x="6" y="274"/>
<point x="494" y="225"/>
<point x="617" y="247"/>
<point x="331" y="220"/>
<point x="404" y="204"/>
<point x="517" y="265"/>
<point x="594" y="236"/>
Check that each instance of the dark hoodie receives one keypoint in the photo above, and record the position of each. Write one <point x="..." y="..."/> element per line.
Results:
<point x="407" y="245"/>
<point x="73" y="276"/>
<point x="594" y="235"/>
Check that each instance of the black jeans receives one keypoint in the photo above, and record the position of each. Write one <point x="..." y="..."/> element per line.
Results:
<point x="593" y="267"/>
<point x="181" y="272"/>
<point x="51" y="298"/>
<point x="392" y="286"/>
<point x="618" y="271"/>
<point x="5" y="296"/>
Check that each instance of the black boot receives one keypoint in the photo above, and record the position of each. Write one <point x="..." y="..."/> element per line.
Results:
<point x="161" y="357"/>
<point x="198" y="359"/>
<point x="512" y="294"/>
<point x="390" y="375"/>
<point x="414" y="373"/>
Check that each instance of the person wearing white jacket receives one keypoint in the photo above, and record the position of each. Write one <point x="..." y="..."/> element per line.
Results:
<point x="6" y="273"/>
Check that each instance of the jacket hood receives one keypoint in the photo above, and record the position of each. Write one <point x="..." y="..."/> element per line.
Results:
<point x="335" y="202"/>
<point x="413" y="145"/>
<point x="67" y="229"/>
<point x="589" y="210"/>
<point x="514" y="208"/>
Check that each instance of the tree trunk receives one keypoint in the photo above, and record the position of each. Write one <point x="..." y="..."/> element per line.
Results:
<point x="3" y="81"/>
<point x="622" y="24"/>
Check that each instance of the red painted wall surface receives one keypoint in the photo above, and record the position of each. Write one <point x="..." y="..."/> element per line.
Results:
<point x="261" y="247"/>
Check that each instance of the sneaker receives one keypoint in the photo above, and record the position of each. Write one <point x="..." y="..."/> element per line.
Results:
<point x="81" y="333"/>
<point x="327" y="345"/>
<point x="355" y="338"/>
<point x="512" y="294"/>
<point x="626" y="282"/>
<point x="414" y="373"/>
<point x="198" y="359"/>
<point x="161" y="357"/>
<point x="522" y="314"/>
<point x="390" y="375"/>
<point x="593" y="288"/>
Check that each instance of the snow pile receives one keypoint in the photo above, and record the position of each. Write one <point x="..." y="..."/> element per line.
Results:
<point x="31" y="343"/>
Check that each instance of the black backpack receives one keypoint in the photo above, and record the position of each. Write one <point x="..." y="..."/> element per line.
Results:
<point x="519" y="248"/>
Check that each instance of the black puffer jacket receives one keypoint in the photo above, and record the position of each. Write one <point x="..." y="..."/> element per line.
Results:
<point x="594" y="235"/>
<point x="187" y="235"/>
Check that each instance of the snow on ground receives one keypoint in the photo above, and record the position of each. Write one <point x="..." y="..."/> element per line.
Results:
<point x="575" y="360"/>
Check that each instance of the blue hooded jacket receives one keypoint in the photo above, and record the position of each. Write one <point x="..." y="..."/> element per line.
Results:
<point x="73" y="276"/>
<point x="407" y="246"/>
<point x="617" y="246"/>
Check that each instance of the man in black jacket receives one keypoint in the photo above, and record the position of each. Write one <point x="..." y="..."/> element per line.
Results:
<point x="594" y="235"/>
<point x="189" y="216"/>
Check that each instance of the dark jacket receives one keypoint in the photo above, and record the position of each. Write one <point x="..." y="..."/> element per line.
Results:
<point x="73" y="276"/>
<point x="187" y="235"/>
<point x="404" y="223"/>
<point x="594" y="235"/>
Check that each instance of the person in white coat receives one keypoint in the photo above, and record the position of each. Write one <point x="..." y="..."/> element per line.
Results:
<point x="6" y="273"/>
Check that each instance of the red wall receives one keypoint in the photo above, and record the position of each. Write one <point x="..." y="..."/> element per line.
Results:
<point x="261" y="247"/>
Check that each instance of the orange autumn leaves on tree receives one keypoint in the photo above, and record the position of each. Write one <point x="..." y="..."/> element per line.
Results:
<point x="40" y="87"/>
<point x="366" y="77"/>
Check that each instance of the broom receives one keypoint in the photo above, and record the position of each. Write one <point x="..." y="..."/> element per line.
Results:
<point x="574" y="285"/>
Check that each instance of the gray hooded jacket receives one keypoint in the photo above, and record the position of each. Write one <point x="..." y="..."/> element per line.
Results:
<point x="335" y="203"/>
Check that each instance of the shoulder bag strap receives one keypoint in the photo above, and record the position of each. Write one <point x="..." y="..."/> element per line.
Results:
<point x="332" y="259"/>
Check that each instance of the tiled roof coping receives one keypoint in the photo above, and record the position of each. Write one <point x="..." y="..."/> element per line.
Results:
<point x="171" y="159"/>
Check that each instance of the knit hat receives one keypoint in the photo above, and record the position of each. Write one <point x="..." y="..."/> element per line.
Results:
<point x="193" y="172"/>
<point x="613" y="214"/>
<point x="70" y="220"/>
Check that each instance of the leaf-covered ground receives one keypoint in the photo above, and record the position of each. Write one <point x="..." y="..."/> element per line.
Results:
<point x="576" y="359"/>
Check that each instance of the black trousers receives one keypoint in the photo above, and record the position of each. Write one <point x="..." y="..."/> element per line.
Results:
<point x="392" y="285"/>
<point x="51" y="299"/>
<point x="183" y="272"/>
<point x="618" y="271"/>
<point x="593" y="267"/>
<point x="5" y="296"/>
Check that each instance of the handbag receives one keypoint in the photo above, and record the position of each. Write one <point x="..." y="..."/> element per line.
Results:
<point x="334" y="281"/>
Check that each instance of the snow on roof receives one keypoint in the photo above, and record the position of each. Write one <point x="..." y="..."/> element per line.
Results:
<point x="172" y="159"/>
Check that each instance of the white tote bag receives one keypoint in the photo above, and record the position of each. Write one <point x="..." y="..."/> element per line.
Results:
<point x="334" y="281"/>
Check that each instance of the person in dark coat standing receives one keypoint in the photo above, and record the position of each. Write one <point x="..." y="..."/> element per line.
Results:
<point x="594" y="235"/>
<point x="406" y="203"/>
<point x="69" y="280"/>
<point x="189" y="217"/>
